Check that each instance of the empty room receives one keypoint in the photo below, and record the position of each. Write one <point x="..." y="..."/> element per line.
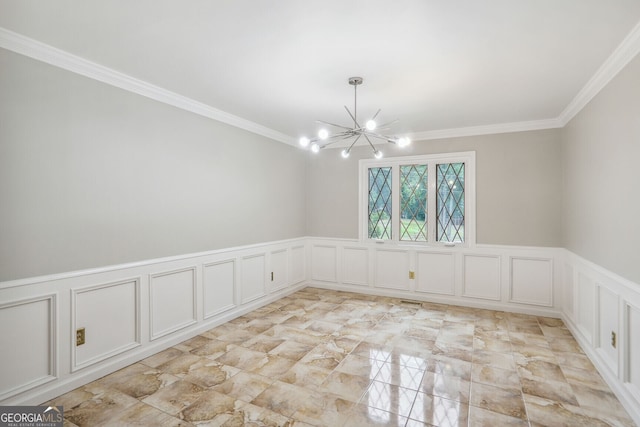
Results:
<point x="320" y="213"/>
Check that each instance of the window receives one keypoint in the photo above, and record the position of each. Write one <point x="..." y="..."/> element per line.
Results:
<point x="426" y="199"/>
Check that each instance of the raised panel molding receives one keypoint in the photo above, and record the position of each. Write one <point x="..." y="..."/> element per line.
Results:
<point x="253" y="278"/>
<point x="531" y="280"/>
<point x="172" y="301"/>
<point x="110" y="314"/>
<point x="219" y="287"/>
<point x="632" y="354"/>
<point x="569" y="292"/>
<point x="603" y="302"/>
<point x="297" y="266"/>
<point x="324" y="263"/>
<point x="586" y="306"/>
<point x="355" y="266"/>
<point x="392" y="269"/>
<point x="481" y="276"/>
<point x="28" y="325"/>
<point x="279" y="270"/>
<point x="607" y="318"/>
<point x="435" y="273"/>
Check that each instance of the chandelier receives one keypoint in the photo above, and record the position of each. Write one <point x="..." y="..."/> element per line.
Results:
<point x="369" y="131"/>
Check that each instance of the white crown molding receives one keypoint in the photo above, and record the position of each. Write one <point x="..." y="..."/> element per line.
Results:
<point x="624" y="53"/>
<point x="487" y="129"/>
<point x="42" y="52"/>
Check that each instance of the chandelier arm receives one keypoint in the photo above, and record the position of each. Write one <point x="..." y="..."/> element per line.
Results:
<point x="333" y="138"/>
<point x="333" y="124"/>
<point x="389" y="123"/>
<point x="376" y="114"/>
<point x="380" y="136"/>
<point x="369" y="141"/>
<point x="353" y="143"/>
<point x="357" y="125"/>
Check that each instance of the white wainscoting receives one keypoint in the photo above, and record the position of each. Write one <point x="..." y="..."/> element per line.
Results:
<point x="597" y="304"/>
<point x="28" y="330"/>
<point x="130" y="312"/>
<point x="435" y="273"/>
<point x="172" y="301"/>
<point x="253" y="280"/>
<point x="219" y="283"/>
<point x="521" y="279"/>
<point x="111" y="314"/>
<point x="482" y="277"/>
<point x="531" y="281"/>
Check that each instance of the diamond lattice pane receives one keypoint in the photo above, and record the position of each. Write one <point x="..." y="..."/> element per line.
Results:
<point x="380" y="203"/>
<point x="450" y="202"/>
<point x="413" y="203"/>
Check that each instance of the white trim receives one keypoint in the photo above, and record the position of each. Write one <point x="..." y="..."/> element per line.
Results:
<point x="74" y="323"/>
<point x="52" y="300"/>
<point x="145" y="263"/>
<point x="549" y="301"/>
<point x="621" y="56"/>
<point x="153" y="335"/>
<point x="466" y="157"/>
<point x="48" y="54"/>
<point x="487" y="129"/>
<point x="234" y="304"/>
<point x="614" y="372"/>
<point x="32" y="48"/>
<point x="466" y="294"/>
<point x="262" y="255"/>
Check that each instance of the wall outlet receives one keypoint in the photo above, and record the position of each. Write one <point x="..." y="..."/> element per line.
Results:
<point x="80" y="336"/>
<point x="613" y="339"/>
<point x="412" y="275"/>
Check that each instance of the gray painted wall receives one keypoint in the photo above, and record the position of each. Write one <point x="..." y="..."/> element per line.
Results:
<point x="601" y="149"/>
<point x="91" y="175"/>
<point x="518" y="187"/>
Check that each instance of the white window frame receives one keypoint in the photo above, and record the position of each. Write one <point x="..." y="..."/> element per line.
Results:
<point x="466" y="157"/>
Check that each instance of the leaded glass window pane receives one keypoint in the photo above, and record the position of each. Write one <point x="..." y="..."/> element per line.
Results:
<point x="413" y="203"/>
<point x="380" y="203"/>
<point x="450" y="202"/>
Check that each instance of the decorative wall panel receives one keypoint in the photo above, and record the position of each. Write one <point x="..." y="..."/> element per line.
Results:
<point x="219" y="283"/>
<point x="28" y="350"/>
<point x="355" y="266"/>
<point x="586" y="312"/>
<point x="109" y="314"/>
<point x="297" y="266"/>
<point x="435" y="273"/>
<point x="608" y="318"/>
<point x="279" y="270"/>
<point x="172" y="301"/>
<point x="481" y="277"/>
<point x="253" y="278"/>
<point x="324" y="263"/>
<point x="531" y="281"/>
<point x="391" y="269"/>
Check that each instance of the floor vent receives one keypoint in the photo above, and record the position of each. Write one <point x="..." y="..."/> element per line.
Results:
<point x="406" y="301"/>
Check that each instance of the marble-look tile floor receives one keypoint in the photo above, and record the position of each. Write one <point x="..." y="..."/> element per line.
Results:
<point x="328" y="358"/>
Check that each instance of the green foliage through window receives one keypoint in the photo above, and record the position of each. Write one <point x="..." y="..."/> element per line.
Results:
<point x="450" y="209"/>
<point x="413" y="202"/>
<point x="380" y="203"/>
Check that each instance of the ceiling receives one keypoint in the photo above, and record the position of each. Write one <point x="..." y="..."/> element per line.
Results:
<point x="435" y="65"/>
